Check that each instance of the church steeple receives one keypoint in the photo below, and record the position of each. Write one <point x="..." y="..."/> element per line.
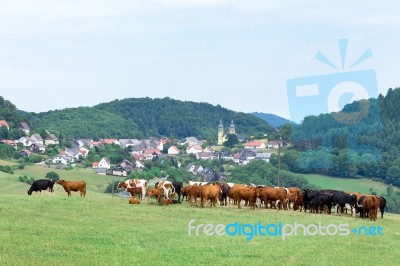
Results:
<point x="220" y="133"/>
<point x="232" y="128"/>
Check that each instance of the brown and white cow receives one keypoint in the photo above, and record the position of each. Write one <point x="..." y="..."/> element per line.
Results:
<point x="167" y="187"/>
<point x="129" y="183"/>
<point x="73" y="186"/>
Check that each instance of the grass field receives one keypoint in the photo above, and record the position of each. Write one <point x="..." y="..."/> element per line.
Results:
<point x="354" y="185"/>
<point x="104" y="230"/>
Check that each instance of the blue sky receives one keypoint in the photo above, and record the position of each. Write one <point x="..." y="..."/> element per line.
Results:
<point x="239" y="54"/>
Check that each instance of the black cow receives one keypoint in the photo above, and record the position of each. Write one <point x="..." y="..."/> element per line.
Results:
<point x="382" y="205"/>
<point x="178" y="188"/>
<point x="42" y="184"/>
<point x="341" y="199"/>
<point x="223" y="197"/>
<point x="360" y="207"/>
<point x="319" y="200"/>
<point x="309" y="194"/>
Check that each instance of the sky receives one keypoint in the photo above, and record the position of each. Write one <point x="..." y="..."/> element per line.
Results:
<point x="239" y="54"/>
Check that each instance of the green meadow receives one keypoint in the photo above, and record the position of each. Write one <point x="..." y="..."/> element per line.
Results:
<point x="352" y="185"/>
<point x="104" y="230"/>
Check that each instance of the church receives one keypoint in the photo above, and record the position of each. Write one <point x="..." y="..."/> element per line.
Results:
<point x="222" y="137"/>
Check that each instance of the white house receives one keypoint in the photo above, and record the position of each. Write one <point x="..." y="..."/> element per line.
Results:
<point x="51" y="139"/>
<point x="195" y="148"/>
<point x="104" y="163"/>
<point x="173" y="150"/>
<point x="60" y="159"/>
<point x="26" y="141"/>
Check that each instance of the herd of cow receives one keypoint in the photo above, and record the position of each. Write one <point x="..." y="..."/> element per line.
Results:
<point x="317" y="201"/>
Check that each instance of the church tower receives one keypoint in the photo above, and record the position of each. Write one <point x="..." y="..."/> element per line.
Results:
<point x="220" y="133"/>
<point x="232" y="128"/>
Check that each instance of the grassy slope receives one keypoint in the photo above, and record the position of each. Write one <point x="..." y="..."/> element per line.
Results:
<point x="353" y="185"/>
<point x="101" y="230"/>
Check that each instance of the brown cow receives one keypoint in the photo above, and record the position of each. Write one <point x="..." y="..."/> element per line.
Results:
<point x="73" y="186"/>
<point x="186" y="192"/>
<point x="194" y="193"/>
<point x="167" y="202"/>
<point x="134" y="201"/>
<point x="273" y="194"/>
<point x="154" y="192"/>
<point x="135" y="191"/>
<point x="233" y="191"/>
<point x="294" y="193"/>
<point x="249" y="194"/>
<point x="298" y="203"/>
<point x="210" y="192"/>
<point x="371" y="205"/>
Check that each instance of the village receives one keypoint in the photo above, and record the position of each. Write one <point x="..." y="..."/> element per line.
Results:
<point x="142" y="150"/>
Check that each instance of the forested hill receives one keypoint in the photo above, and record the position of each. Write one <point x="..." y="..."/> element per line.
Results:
<point x="273" y="120"/>
<point x="145" y="117"/>
<point x="85" y="122"/>
<point x="173" y="118"/>
<point x="368" y="146"/>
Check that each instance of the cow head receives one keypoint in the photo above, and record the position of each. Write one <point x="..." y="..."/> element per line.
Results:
<point x="60" y="181"/>
<point x="121" y="185"/>
<point x="29" y="192"/>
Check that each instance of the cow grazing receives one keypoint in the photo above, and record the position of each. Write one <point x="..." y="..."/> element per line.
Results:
<point x="294" y="193"/>
<point x="210" y="192"/>
<point x="73" y="186"/>
<point x="298" y="203"/>
<point x="134" y="201"/>
<point x="370" y="206"/>
<point x="320" y="200"/>
<point x="42" y="184"/>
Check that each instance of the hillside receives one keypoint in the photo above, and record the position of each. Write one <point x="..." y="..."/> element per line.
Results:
<point x="273" y="120"/>
<point x="173" y="118"/>
<point x="141" y="117"/>
<point x="335" y="145"/>
<point x="85" y="122"/>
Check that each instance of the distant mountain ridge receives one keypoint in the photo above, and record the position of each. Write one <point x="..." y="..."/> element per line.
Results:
<point x="273" y="120"/>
